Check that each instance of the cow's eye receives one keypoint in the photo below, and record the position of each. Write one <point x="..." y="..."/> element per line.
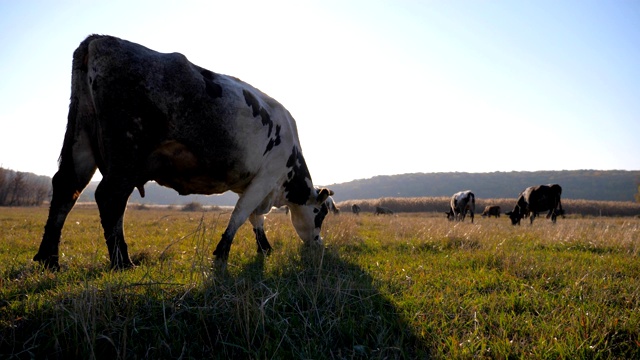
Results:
<point x="315" y="211"/>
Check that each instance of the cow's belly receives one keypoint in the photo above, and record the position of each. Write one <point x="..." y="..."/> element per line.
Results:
<point x="173" y="165"/>
<point x="186" y="185"/>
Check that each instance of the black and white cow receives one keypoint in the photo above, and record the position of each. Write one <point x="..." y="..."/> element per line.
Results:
<point x="491" y="210"/>
<point x="536" y="199"/>
<point x="461" y="203"/>
<point x="139" y="115"/>
<point x="355" y="208"/>
<point x="380" y="210"/>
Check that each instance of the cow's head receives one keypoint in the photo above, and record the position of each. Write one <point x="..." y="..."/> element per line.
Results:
<point x="307" y="219"/>
<point x="515" y="216"/>
<point x="450" y="215"/>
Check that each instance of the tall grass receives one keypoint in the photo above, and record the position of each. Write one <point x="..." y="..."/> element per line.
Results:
<point x="406" y="286"/>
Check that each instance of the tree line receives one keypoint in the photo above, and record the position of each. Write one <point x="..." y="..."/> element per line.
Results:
<point x="603" y="185"/>
<point x="27" y="189"/>
<point x="23" y="189"/>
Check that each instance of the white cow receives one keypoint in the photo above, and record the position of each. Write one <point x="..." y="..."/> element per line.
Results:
<point x="461" y="203"/>
<point x="331" y="205"/>
<point x="139" y="115"/>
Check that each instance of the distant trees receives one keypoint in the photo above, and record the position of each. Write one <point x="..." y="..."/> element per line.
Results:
<point x="23" y="189"/>
<point x="609" y="185"/>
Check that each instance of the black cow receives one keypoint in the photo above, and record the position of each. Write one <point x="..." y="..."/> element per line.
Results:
<point x="355" y="208"/>
<point x="380" y="210"/>
<point x="461" y="203"/>
<point x="536" y="199"/>
<point x="139" y="115"/>
<point x="491" y="210"/>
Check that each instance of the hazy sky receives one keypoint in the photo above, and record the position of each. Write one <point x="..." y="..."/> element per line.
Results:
<point x="376" y="87"/>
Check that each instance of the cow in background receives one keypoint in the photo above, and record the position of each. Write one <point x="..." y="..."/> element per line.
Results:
<point x="536" y="199"/>
<point x="461" y="203"/>
<point x="380" y="210"/>
<point x="355" y="208"/>
<point x="491" y="210"/>
<point x="331" y="205"/>
<point x="138" y="115"/>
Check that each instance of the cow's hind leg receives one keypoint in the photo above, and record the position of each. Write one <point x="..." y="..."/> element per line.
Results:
<point x="72" y="177"/>
<point x="66" y="190"/>
<point x="257" y="220"/>
<point x="112" y="195"/>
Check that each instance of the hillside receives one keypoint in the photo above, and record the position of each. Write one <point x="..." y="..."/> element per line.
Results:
<point x="613" y="185"/>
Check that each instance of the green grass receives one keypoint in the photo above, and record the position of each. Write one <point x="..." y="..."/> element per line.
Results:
<point x="406" y="286"/>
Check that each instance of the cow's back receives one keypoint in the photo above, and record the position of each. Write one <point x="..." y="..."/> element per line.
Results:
<point x="193" y="130"/>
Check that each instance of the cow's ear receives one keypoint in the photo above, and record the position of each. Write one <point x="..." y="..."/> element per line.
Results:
<point x="323" y="194"/>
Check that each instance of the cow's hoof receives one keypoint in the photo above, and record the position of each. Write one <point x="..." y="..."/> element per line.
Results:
<point x="265" y="251"/>
<point x="49" y="262"/>
<point x="122" y="266"/>
<point x="220" y="264"/>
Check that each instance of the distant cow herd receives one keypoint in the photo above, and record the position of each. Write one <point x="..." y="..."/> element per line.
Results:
<point x="530" y="203"/>
<point x="138" y="115"/>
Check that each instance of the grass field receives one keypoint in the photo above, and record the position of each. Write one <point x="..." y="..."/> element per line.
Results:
<point x="406" y="286"/>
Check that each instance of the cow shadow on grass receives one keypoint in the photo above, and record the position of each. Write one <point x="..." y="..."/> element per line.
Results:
<point x="308" y="304"/>
<point x="314" y="305"/>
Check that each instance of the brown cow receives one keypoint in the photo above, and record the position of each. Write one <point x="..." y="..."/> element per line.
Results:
<point x="491" y="210"/>
<point x="380" y="210"/>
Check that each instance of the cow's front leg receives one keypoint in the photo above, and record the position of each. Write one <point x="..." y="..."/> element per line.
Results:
<point x="224" y="246"/>
<point x="252" y="200"/>
<point x="112" y="196"/>
<point x="257" y="220"/>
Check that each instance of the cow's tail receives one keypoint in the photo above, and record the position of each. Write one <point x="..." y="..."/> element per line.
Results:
<point x="79" y="88"/>
<point x="560" y="198"/>
<point x="473" y="204"/>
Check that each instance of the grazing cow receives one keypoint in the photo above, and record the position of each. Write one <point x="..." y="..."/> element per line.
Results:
<point x="138" y="115"/>
<point x="461" y="203"/>
<point x="383" y="211"/>
<point x="331" y="206"/>
<point x="355" y="208"/>
<point x="491" y="210"/>
<point x="536" y="199"/>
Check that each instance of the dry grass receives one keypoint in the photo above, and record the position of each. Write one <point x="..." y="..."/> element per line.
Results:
<point x="412" y="285"/>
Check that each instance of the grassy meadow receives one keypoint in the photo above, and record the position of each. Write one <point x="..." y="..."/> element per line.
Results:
<point x="407" y="286"/>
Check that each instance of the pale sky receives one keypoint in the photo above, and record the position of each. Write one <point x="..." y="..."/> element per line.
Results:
<point x="376" y="87"/>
